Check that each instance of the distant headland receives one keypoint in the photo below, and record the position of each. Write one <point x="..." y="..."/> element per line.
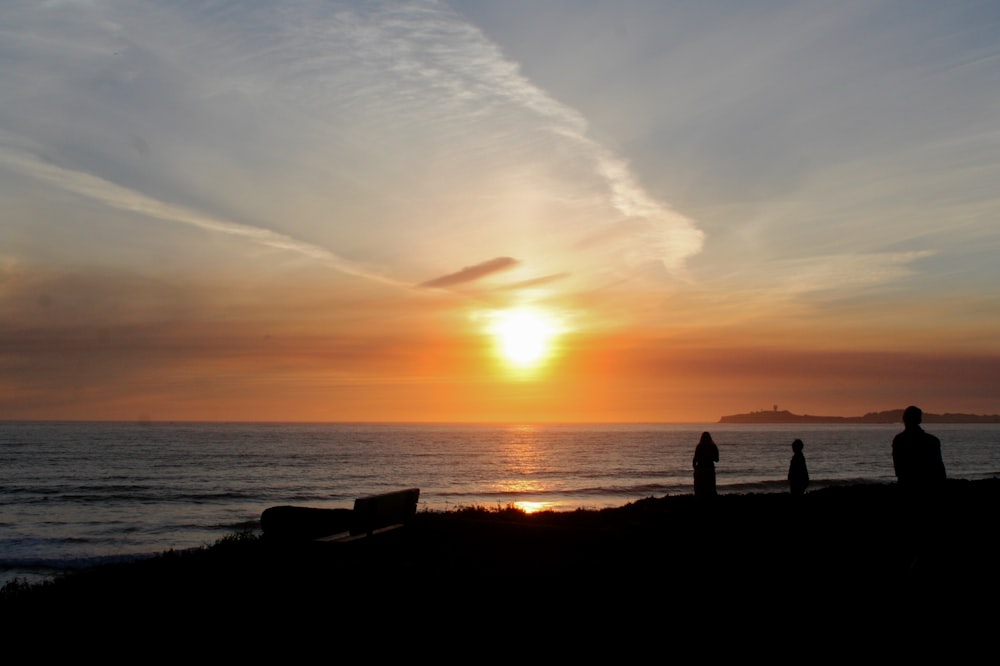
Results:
<point x="889" y="416"/>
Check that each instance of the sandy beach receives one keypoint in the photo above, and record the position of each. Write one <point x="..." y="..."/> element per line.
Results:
<point x="858" y="554"/>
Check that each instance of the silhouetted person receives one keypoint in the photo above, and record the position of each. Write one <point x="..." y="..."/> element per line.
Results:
<point x="798" y="473"/>
<point x="916" y="455"/>
<point x="706" y="454"/>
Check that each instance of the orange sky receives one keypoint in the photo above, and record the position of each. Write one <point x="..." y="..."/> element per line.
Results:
<point x="317" y="359"/>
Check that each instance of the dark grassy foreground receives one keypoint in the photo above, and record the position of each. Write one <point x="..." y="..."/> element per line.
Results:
<point x="849" y="561"/>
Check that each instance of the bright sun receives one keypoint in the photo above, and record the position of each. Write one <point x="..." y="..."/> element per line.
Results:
<point x="524" y="335"/>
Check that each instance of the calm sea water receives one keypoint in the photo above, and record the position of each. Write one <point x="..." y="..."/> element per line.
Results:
<point x="73" y="494"/>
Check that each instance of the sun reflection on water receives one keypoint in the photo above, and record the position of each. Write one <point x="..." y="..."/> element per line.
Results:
<point x="532" y="507"/>
<point x="521" y="458"/>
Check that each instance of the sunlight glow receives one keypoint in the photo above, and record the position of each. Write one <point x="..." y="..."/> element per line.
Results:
<point x="524" y="335"/>
<point x="532" y="507"/>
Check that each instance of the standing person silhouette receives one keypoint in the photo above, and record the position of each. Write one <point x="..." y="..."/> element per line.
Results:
<point x="798" y="473"/>
<point x="916" y="455"/>
<point x="920" y="473"/>
<point x="706" y="454"/>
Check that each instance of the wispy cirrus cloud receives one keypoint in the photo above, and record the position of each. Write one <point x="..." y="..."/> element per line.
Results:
<point x="121" y="198"/>
<point x="296" y="125"/>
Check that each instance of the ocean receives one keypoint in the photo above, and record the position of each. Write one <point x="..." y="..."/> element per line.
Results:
<point x="75" y="494"/>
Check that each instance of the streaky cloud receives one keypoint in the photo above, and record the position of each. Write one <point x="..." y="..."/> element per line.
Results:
<point x="837" y="272"/>
<point x="122" y="198"/>
<point x="471" y="273"/>
<point x="534" y="282"/>
<point x="666" y="235"/>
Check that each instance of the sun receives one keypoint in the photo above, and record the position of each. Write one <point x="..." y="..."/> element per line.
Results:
<point x="524" y="335"/>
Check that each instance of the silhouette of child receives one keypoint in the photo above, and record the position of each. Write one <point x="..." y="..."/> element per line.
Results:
<point x="798" y="474"/>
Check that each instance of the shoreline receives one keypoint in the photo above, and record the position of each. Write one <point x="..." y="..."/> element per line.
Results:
<point x="894" y="416"/>
<point x="38" y="569"/>
<point x="834" y="543"/>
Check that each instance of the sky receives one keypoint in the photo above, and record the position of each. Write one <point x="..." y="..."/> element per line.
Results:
<point x="327" y="211"/>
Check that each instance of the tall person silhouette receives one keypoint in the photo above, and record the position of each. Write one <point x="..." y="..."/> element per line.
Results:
<point x="916" y="455"/>
<point x="920" y="473"/>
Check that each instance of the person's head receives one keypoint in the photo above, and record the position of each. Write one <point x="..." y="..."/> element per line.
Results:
<point x="705" y="438"/>
<point x="797" y="445"/>
<point x="912" y="416"/>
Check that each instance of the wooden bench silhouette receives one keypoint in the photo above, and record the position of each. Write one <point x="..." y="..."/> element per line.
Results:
<point x="372" y="515"/>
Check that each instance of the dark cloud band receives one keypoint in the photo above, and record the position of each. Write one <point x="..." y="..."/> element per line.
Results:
<point x="472" y="273"/>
